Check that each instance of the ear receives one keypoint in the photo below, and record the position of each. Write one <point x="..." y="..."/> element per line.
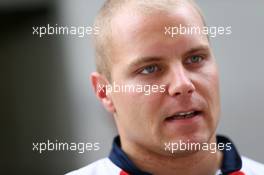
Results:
<point x="100" y="83"/>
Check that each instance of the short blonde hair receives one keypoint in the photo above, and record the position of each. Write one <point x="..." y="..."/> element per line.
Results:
<point x="103" y="41"/>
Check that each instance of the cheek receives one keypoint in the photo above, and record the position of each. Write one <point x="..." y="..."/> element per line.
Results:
<point x="213" y="84"/>
<point x="126" y="105"/>
<point x="206" y="82"/>
<point x="137" y="113"/>
<point x="209" y="89"/>
<point x="136" y="104"/>
<point x="210" y="79"/>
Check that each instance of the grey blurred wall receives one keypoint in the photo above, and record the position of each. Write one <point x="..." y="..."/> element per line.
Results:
<point x="47" y="93"/>
<point x="241" y="63"/>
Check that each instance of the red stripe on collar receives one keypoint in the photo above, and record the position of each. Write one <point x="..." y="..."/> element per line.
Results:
<point x="123" y="173"/>
<point x="237" y="173"/>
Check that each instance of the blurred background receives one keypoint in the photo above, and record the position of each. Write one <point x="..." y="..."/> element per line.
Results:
<point x="46" y="93"/>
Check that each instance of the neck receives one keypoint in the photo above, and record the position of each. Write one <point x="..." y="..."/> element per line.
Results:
<point x="199" y="163"/>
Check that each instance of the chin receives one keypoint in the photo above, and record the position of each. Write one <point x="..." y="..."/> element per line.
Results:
<point x="199" y="136"/>
<point x="182" y="154"/>
<point x="196" y="138"/>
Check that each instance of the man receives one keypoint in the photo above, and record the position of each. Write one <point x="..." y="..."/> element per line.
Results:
<point x="136" y="47"/>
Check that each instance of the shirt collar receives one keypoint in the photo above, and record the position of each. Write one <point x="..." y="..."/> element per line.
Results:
<point x="231" y="158"/>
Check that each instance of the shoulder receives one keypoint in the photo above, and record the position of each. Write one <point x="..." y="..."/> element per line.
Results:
<point x="250" y="166"/>
<point x="100" y="167"/>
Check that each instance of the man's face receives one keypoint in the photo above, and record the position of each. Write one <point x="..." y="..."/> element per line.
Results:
<point x="143" y="55"/>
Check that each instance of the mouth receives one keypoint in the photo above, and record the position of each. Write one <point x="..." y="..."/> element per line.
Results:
<point x="184" y="115"/>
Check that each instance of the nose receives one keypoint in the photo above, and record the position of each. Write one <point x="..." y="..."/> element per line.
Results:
<point x="180" y="83"/>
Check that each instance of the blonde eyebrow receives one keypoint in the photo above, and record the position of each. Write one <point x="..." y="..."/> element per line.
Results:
<point x="143" y="60"/>
<point x="196" y="49"/>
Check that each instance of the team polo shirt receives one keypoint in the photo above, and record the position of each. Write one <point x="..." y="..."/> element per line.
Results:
<point x="118" y="163"/>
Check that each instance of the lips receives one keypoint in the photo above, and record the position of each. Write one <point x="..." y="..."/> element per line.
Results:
<point x="184" y="115"/>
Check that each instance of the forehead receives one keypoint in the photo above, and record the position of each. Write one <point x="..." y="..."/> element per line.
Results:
<point x="135" y="33"/>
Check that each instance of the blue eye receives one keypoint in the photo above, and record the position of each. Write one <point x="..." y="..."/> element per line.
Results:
<point x="194" y="59"/>
<point x="149" y="69"/>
